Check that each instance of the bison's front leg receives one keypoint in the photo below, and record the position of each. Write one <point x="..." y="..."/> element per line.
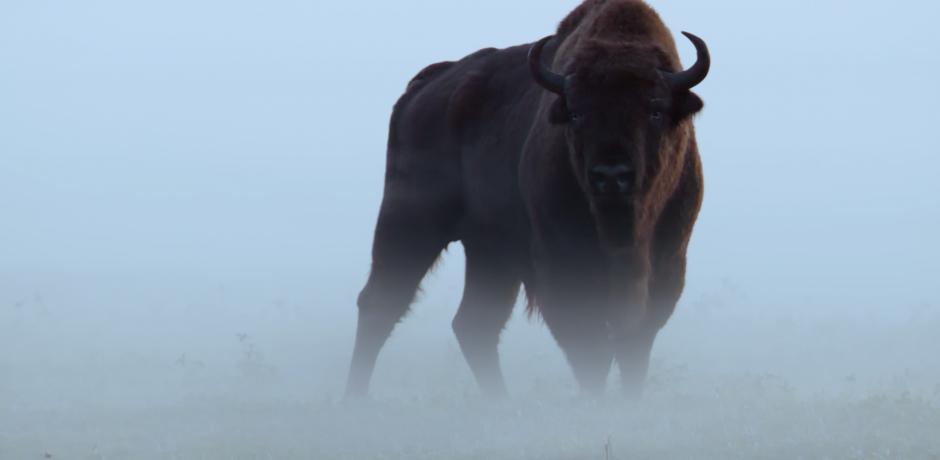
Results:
<point x="664" y="288"/>
<point x="633" y="357"/>
<point x="581" y="331"/>
<point x="630" y="332"/>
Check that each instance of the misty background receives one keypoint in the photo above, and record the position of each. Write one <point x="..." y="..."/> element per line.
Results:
<point x="188" y="192"/>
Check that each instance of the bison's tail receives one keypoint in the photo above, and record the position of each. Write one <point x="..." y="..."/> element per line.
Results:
<point x="531" y="299"/>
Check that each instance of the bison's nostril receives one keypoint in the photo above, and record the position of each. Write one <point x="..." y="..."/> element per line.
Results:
<point x="599" y="182"/>
<point x="611" y="178"/>
<point x="623" y="183"/>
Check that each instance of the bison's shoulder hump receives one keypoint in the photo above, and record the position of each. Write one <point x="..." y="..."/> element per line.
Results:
<point x="427" y="74"/>
<point x="466" y="100"/>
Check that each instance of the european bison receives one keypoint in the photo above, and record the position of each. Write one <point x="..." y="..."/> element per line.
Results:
<point x="568" y="166"/>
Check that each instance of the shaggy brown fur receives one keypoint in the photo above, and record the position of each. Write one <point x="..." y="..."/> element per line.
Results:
<point x="480" y="153"/>
<point x="603" y="63"/>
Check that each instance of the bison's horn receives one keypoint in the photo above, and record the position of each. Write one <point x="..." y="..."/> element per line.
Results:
<point x="687" y="79"/>
<point x="543" y="75"/>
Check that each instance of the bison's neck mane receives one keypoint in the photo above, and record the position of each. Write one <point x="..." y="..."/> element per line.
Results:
<point x="618" y="36"/>
<point x="602" y="63"/>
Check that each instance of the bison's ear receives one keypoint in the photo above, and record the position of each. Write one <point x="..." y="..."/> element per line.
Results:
<point x="558" y="113"/>
<point x="687" y="104"/>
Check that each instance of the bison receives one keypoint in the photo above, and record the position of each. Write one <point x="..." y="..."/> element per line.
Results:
<point x="568" y="166"/>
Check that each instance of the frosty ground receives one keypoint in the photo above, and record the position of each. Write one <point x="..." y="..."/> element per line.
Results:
<point x="251" y="366"/>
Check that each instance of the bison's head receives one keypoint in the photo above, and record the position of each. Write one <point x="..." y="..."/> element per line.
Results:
<point x="620" y="108"/>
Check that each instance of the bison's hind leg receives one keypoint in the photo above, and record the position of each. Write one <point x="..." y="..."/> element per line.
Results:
<point x="409" y="237"/>
<point x="490" y="292"/>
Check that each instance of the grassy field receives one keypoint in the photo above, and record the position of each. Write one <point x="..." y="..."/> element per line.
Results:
<point x="239" y="371"/>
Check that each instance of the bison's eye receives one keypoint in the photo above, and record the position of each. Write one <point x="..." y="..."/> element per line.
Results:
<point x="656" y="116"/>
<point x="574" y="117"/>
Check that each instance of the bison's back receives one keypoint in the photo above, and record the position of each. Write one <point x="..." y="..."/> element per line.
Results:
<point x="447" y="99"/>
<point x="457" y="134"/>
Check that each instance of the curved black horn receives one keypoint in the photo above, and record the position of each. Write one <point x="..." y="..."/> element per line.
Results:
<point x="687" y="79"/>
<point x="543" y="75"/>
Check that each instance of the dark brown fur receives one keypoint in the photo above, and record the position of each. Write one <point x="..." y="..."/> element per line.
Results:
<point x="474" y="156"/>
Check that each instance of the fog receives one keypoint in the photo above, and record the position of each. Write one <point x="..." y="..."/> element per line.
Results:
<point x="188" y="192"/>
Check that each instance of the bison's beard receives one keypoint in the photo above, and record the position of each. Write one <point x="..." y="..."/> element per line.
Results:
<point x="615" y="220"/>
